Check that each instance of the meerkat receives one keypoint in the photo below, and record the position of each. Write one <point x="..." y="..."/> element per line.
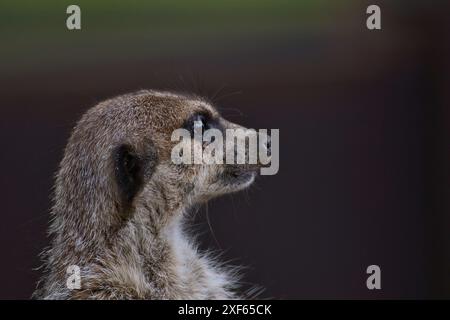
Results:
<point x="120" y="202"/>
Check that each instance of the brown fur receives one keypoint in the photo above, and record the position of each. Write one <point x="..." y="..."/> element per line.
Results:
<point x="133" y="249"/>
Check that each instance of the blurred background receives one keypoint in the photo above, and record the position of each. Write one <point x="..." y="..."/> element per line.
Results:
<point x="363" y="116"/>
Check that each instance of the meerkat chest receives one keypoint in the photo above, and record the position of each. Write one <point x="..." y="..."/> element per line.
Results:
<point x="195" y="276"/>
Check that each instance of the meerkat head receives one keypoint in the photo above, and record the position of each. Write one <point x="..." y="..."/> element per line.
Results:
<point x="118" y="161"/>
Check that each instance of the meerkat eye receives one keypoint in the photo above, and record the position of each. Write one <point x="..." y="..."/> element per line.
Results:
<point x="198" y="121"/>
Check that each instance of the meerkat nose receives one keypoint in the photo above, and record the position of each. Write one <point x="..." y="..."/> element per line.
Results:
<point x="268" y="145"/>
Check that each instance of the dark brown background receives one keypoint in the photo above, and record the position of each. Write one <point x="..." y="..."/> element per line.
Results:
<point x="363" y="118"/>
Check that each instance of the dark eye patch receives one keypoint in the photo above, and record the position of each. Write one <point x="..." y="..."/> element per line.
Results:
<point x="205" y="117"/>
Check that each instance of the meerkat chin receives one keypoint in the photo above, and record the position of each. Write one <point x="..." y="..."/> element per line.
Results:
<point x="119" y="204"/>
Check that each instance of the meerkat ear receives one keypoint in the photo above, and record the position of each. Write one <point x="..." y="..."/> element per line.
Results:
<point x="128" y="172"/>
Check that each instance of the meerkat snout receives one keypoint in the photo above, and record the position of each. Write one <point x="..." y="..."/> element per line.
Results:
<point x="120" y="200"/>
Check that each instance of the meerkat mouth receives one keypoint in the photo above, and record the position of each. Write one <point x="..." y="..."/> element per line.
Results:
<point x="239" y="176"/>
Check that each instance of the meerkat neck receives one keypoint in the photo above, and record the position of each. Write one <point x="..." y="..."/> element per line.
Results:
<point x="172" y="262"/>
